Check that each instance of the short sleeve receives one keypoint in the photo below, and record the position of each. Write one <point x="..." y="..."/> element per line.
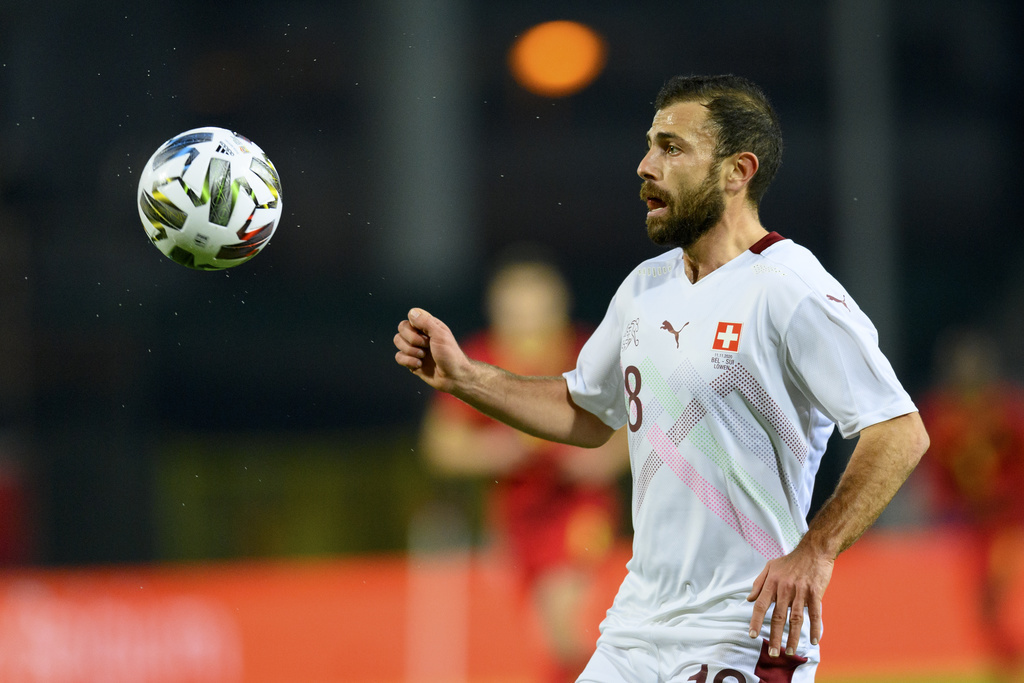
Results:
<point x="832" y="354"/>
<point x="595" y="384"/>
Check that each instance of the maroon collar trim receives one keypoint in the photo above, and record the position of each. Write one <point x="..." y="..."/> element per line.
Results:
<point x="766" y="241"/>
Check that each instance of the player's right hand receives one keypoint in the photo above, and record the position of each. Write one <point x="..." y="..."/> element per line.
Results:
<point x="428" y="348"/>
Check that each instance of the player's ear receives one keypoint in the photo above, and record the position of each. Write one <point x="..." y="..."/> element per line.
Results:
<point x="739" y="169"/>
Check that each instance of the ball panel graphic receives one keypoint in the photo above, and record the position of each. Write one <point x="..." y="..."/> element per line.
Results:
<point x="209" y="199"/>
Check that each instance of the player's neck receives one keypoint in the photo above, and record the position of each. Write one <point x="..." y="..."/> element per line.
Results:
<point x="734" y="234"/>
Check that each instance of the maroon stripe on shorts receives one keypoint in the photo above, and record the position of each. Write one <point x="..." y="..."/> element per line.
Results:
<point x="776" y="669"/>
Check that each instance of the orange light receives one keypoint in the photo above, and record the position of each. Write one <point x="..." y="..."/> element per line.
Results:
<point x="557" y="58"/>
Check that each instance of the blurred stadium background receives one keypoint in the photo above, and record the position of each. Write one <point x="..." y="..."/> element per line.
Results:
<point x="213" y="476"/>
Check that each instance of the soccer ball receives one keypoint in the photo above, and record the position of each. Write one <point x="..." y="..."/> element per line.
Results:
<point x="209" y="199"/>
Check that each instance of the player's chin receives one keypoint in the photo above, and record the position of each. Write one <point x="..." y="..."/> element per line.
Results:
<point x="658" y="232"/>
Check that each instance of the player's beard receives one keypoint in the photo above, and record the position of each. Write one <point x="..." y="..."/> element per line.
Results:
<point x="690" y="214"/>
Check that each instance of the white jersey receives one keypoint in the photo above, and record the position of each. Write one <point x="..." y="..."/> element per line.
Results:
<point x="731" y="388"/>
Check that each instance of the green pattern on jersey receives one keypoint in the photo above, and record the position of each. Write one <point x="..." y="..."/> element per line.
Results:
<point x="666" y="397"/>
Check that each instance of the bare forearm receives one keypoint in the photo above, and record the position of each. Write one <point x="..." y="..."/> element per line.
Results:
<point x="540" y="406"/>
<point x="883" y="459"/>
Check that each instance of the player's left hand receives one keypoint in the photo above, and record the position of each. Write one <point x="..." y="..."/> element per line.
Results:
<point x="794" y="582"/>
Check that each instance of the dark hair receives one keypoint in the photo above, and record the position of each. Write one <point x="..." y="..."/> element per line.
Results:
<point x="743" y="118"/>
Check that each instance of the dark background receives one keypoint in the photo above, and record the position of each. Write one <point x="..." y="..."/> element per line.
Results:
<point x="410" y="159"/>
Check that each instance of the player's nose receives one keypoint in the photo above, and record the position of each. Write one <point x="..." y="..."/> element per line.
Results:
<point x="647" y="169"/>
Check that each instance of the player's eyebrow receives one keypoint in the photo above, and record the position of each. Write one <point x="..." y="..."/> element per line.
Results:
<point x="663" y="137"/>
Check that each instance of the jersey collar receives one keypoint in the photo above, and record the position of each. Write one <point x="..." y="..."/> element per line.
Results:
<point x="765" y="242"/>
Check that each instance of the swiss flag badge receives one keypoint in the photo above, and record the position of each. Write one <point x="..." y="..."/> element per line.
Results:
<point x="727" y="337"/>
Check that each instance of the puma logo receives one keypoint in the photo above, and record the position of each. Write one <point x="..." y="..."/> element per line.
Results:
<point x="675" y="333"/>
<point x="838" y="301"/>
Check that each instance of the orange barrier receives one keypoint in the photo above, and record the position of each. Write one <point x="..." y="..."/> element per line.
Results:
<point x="897" y="604"/>
<point x="317" y="622"/>
<point x="908" y="603"/>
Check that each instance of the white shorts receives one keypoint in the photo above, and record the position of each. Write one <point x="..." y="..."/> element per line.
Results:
<point x="720" y="663"/>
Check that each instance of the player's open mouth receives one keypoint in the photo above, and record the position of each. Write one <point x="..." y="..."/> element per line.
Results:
<point x="649" y="193"/>
<point x="655" y="206"/>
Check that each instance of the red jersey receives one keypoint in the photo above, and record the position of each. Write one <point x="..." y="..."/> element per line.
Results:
<point x="977" y="454"/>
<point x="545" y="518"/>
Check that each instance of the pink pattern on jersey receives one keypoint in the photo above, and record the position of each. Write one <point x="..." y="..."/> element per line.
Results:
<point x="693" y="414"/>
<point x="712" y="498"/>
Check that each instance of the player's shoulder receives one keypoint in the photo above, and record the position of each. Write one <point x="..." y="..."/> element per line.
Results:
<point x="658" y="265"/>
<point x="648" y="275"/>
<point x="799" y="270"/>
<point x="800" y="279"/>
<point x="653" y="272"/>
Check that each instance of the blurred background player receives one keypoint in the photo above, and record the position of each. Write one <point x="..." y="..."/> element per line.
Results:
<point x="976" y="467"/>
<point x="554" y="508"/>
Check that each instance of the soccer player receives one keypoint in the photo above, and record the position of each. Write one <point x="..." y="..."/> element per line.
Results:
<point x="976" y="467"/>
<point x="554" y="508"/>
<point x="731" y="357"/>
